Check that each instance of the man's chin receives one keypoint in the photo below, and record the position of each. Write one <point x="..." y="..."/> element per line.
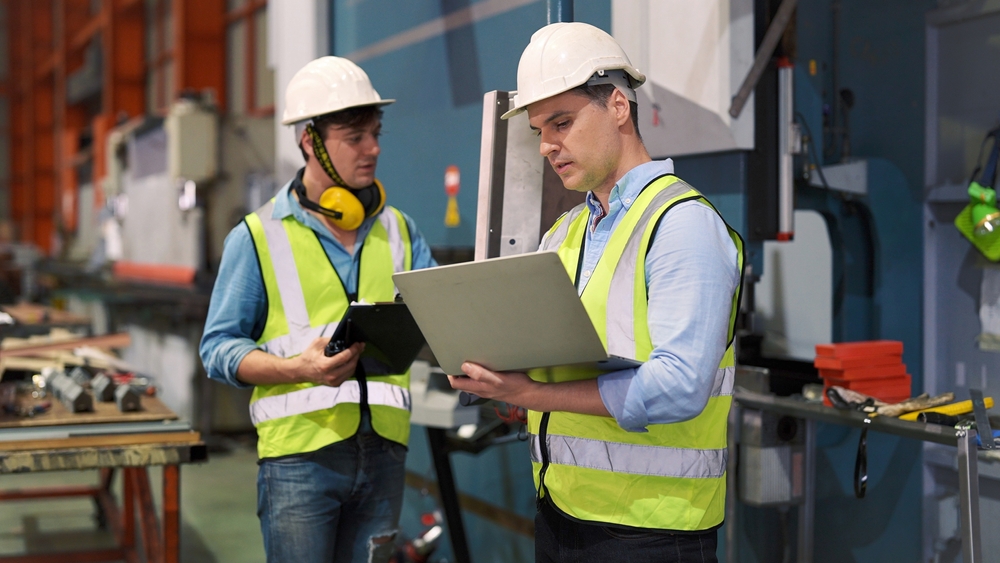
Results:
<point x="363" y="181"/>
<point x="574" y="185"/>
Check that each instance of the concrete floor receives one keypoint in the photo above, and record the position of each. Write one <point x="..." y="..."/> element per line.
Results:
<point x="218" y="511"/>
<point x="219" y="506"/>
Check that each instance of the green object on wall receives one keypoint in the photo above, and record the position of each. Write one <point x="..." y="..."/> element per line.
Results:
<point x="980" y="221"/>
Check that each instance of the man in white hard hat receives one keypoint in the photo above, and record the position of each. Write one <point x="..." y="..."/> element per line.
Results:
<point x="629" y="465"/>
<point x="332" y="431"/>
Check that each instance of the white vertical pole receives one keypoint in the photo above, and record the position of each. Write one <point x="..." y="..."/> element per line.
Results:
<point x="298" y="33"/>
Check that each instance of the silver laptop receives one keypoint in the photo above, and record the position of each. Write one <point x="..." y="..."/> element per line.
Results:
<point x="507" y="314"/>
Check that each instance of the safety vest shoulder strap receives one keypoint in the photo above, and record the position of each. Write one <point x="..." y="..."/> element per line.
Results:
<point x="619" y="277"/>
<point x="560" y="229"/>
<point x="275" y="324"/>
<point x="398" y="232"/>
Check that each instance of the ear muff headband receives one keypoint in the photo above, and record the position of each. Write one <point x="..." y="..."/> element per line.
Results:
<point x="372" y="198"/>
<point x="347" y="208"/>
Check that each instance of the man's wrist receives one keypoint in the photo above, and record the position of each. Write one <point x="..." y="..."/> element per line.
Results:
<point x="291" y="369"/>
<point x="532" y="396"/>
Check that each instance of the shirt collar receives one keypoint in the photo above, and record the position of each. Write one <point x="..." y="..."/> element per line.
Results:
<point x="285" y="203"/>
<point x="629" y="186"/>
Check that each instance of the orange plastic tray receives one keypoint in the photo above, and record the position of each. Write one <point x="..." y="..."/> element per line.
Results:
<point x="869" y="348"/>
<point x="872" y="373"/>
<point x="824" y="362"/>
<point x="894" y="387"/>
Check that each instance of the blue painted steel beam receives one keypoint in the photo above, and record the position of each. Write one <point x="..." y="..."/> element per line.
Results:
<point x="560" y="11"/>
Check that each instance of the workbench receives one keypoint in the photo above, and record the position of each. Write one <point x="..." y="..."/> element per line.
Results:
<point x="60" y="441"/>
<point x="963" y="439"/>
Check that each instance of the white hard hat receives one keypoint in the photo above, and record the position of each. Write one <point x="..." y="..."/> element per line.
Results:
<point x="326" y="85"/>
<point x="562" y="56"/>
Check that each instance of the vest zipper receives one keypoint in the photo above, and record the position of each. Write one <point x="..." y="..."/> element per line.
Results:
<point x="359" y="372"/>
<point x="543" y="429"/>
<point x="362" y="377"/>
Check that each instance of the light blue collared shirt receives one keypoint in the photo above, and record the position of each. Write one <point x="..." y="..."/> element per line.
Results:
<point x="238" y="307"/>
<point x="692" y="270"/>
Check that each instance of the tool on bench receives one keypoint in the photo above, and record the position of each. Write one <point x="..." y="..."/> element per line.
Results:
<point x="81" y="376"/>
<point x="931" y="417"/>
<point x="127" y="399"/>
<point x="952" y="409"/>
<point x="74" y="397"/>
<point x="103" y="388"/>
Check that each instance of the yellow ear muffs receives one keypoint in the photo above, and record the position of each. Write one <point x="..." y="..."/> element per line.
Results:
<point x="346" y="208"/>
<point x="342" y="201"/>
<point x="381" y="199"/>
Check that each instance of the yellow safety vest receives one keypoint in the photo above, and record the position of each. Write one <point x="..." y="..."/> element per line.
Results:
<point x="305" y="300"/>
<point x="673" y="476"/>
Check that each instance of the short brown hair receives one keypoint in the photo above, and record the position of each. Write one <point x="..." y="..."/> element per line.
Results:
<point x="599" y="93"/>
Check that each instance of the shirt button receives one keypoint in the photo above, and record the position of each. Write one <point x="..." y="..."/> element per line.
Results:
<point x="586" y="273"/>
<point x="628" y="200"/>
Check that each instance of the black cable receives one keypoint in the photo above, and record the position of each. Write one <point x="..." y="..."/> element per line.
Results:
<point x="861" y="463"/>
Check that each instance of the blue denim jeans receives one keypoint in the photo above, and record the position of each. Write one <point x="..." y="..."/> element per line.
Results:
<point x="560" y="538"/>
<point x="337" y="504"/>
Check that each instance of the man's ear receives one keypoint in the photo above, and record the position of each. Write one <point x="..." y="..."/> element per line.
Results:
<point x="305" y="143"/>
<point x="619" y="104"/>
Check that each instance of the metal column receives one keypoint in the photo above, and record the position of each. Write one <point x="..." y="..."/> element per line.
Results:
<point x="560" y="11"/>
<point x="787" y="148"/>
<point x="807" y="510"/>
<point x="968" y="492"/>
<point x="438" y="440"/>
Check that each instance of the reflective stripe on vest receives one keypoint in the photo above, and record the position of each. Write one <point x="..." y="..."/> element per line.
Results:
<point x="671" y="477"/>
<point x="289" y="288"/>
<point x="312" y="399"/>
<point x="306" y="300"/>
<point x="633" y="459"/>
<point x="398" y="240"/>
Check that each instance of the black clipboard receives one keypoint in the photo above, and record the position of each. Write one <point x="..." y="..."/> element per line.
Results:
<point x="388" y="331"/>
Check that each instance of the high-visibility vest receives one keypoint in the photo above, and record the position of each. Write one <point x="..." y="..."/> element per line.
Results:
<point x="305" y="300"/>
<point x="673" y="476"/>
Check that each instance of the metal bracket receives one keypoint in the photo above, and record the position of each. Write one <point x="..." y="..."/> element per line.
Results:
<point x="982" y="420"/>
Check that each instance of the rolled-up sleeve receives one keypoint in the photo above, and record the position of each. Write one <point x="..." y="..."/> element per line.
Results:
<point x="237" y="311"/>
<point x="692" y="272"/>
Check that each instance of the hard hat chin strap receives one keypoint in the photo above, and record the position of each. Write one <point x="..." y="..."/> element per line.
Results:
<point x="617" y="78"/>
<point x="319" y="149"/>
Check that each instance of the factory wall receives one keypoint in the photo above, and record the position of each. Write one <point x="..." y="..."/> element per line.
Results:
<point x="880" y="57"/>
<point x="439" y="79"/>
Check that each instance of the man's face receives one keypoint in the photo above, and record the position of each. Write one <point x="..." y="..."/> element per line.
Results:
<point x="354" y="152"/>
<point x="579" y="138"/>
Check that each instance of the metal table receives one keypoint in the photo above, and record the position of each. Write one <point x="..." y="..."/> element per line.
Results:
<point x="963" y="440"/>
<point x="161" y="541"/>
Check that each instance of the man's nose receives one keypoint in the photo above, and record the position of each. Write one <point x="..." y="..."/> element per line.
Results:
<point x="545" y="147"/>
